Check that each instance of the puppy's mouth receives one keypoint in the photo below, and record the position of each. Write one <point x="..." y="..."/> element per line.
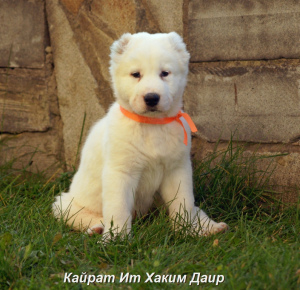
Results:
<point x="152" y="110"/>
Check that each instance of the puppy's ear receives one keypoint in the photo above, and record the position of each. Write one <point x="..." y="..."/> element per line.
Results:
<point x="179" y="45"/>
<point x="119" y="46"/>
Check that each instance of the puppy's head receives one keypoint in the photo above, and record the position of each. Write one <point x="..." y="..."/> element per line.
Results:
<point x="149" y="72"/>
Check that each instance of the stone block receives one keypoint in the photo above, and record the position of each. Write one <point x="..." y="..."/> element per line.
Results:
<point x="22" y="33"/>
<point x="259" y="101"/>
<point x="168" y="14"/>
<point x="24" y="103"/>
<point x="35" y="152"/>
<point x="77" y="87"/>
<point x="72" y="5"/>
<point x="276" y="165"/>
<point x="243" y="30"/>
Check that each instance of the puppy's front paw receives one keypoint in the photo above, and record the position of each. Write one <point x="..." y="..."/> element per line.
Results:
<point x="219" y="227"/>
<point x="214" y="228"/>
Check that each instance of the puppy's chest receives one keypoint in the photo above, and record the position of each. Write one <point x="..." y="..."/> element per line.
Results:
<point x="162" y="151"/>
<point x="162" y="142"/>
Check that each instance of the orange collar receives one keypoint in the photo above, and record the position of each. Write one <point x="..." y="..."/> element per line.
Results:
<point x="149" y="120"/>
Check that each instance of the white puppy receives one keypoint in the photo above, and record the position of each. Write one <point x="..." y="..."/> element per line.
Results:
<point x="127" y="158"/>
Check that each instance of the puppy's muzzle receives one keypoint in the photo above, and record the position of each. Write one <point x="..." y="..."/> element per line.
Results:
<point x="151" y="99"/>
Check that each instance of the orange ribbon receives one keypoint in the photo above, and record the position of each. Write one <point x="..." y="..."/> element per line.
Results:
<point x="149" y="120"/>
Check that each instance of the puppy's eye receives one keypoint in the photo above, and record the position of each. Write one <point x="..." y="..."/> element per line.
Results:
<point x="164" y="74"/>
<point x="136" y="75"/>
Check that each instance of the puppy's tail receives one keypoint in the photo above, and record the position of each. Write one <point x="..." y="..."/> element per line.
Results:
<point x="78" y="217"/>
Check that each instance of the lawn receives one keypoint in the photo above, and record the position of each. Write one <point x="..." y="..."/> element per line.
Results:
<point x="261" y="250"/>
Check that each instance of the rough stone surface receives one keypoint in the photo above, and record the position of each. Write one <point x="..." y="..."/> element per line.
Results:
<point x="22" y="33"/>
<point x="282" y="164"/>
<point x="243" y="30"/>
<point x="29" y="103"/>
<point x="72" y="5"/>
<point x="24" y="103"/>
<point x="168" y="14"/>
<point x="75" y="83"/>
<point x="30" y="124"/>
<point x="258" y="101"/>
<point x="34" y="152"/>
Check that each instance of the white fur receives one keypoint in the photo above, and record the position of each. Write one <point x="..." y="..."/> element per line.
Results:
<point x="123" y="162"/>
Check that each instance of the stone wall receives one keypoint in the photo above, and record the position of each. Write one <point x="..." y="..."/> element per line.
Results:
<point x="245" y="79"/>
<point x="244" y="71"/>
<point x="30" y="123"/>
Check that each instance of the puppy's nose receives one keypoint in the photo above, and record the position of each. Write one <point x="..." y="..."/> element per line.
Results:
<point x="151" y="99"/>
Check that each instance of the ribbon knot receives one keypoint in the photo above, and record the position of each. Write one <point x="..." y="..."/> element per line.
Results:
<point x="166" y="120"/>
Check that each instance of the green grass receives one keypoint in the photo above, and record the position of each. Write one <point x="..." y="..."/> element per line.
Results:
<point x="260" y="251"/>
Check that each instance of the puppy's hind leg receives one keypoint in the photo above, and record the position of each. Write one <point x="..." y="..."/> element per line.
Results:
<point x="76" y="216"/>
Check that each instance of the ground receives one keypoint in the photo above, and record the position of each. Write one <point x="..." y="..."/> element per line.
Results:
<point x="260" y="250"/>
